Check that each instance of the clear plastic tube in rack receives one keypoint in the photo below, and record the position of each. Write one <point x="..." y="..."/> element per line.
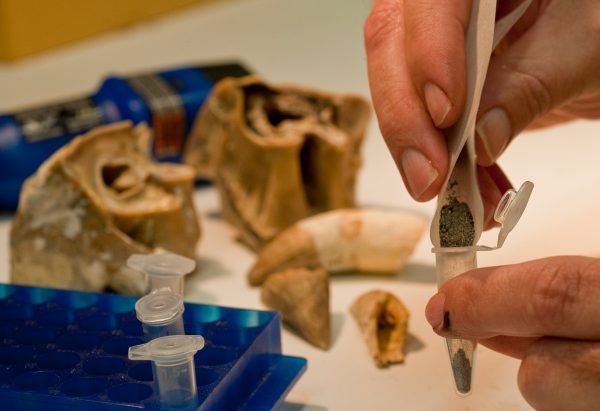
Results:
<point x="160" y="313"/>
<point x="162" y="269"/>
<point x="172" y="368"/>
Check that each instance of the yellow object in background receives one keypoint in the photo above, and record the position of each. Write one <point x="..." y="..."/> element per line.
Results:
<point x="29" y="26"/>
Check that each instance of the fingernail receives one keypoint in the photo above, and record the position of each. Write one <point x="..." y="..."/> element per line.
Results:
<point x="494" y="131"/>
<point x="438" y="103"/>
<point x="434" y="312"/>
<point x="418" y="171"/>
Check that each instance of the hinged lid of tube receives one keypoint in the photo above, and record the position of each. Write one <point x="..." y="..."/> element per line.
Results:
<point x="161" y="264"/>
<point x="168" y="351"/>
<point x="159" y="307"/>
<point x="510" y="209"/>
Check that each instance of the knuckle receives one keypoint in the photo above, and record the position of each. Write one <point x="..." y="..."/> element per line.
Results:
<point x="391" y="106"/>
<point x="389" y="129"/>
<point x="381" y="24"/>
<point x="556" y="288"/>
<point x="532" y="90"/>
<point x="586" y="359"/>
<point x="433" y="33"/>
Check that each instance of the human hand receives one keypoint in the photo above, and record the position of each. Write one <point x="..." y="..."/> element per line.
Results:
<point x="546" y="71"/>
<point x="544" y="312"/>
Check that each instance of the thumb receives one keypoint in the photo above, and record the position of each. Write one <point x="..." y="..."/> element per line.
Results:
<point x="553" y="62"/>
<point x="554" y="296"/>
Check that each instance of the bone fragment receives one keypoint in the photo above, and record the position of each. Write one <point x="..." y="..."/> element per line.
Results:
<point x="302" y="298"/>
<point x="92" y="204"/>
<point x="346" y="240"/>
<point x="383" y="322"/>
<point x="278" y="153"/>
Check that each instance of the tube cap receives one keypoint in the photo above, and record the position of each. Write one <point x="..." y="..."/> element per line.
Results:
<point x="169" y="350"/>
<point x="161" y="264"/>
<point x="510" y="209"/>
<point x="159" y="307"/>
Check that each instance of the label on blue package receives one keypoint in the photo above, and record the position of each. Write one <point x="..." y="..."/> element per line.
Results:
<point x="59" y="119"/>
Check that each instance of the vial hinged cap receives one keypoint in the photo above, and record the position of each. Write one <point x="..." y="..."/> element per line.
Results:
<point x="510" y="209"/>
<point x="168" y="351"/>
<point x="159" y="307"/>
<point x="162" y="264"/>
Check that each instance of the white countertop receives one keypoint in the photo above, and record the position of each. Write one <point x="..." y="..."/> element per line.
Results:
<point x="319" y="43"/>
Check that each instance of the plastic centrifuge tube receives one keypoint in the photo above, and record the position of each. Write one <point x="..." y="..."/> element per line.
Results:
<point x="163" y="269"/>
<point x="461" y="352"/>
<point x="451" y="262"/>
<point x="172" y="368"/>
<point x="160" y="313"/>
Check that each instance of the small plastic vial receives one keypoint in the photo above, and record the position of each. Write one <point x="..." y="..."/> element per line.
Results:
<point x="160" y="313"/>
<point x="162" y="269"/>
<point x="172" y="368"/>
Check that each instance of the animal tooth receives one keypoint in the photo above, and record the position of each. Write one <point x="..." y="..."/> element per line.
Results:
<point x="378" y="241"/>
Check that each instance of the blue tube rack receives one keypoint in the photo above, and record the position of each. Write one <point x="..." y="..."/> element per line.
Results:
<point x="67" y="350"/>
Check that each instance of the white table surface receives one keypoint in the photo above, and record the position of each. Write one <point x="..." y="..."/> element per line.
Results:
<point x="319" y="43"/>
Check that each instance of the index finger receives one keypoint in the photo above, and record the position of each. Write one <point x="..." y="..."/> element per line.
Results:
<point x="417" y="146"/>
<point x="556" y="296"/>
<point x="436" y="51"/>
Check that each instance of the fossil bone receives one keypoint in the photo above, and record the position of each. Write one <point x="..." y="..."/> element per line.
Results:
<point x="343" y="240"/>
<point x="278" y="153"/>
<point x="302" y="298"/>
<point x="383" y="321"/>
<point x="95" y="202"/>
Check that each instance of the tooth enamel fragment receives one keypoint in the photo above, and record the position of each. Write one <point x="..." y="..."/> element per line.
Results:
<point x="375" y="241"/>
<point x="95" y="202"/>
<point x="302" y="298"/>
<point x="383" y="322"/>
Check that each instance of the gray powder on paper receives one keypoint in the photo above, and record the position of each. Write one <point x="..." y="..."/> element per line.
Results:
<point x="456" y="224"/>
